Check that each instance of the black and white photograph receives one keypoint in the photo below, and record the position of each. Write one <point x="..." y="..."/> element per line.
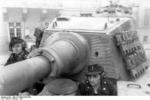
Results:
<point x="74" y="48"/>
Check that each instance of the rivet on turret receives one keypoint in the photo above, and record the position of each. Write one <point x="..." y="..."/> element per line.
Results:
<point x="52" y="60"/>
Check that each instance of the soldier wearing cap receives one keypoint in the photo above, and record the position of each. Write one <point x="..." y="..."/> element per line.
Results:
<point x="96" y="84"/>
<point x="60" y="86"/>
<point x="18" y="50"/>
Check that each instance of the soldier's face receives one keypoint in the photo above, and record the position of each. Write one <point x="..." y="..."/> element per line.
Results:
<point x="17" y="48"/>
<point x="94" y="79"/>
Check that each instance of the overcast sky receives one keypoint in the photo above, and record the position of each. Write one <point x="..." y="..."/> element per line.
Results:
<point x="67" y="3"/>
<point x="88" y="4"/>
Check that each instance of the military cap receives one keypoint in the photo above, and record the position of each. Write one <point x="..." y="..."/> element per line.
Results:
<point x="62" y="87"/>
<point x="94" y="69"/>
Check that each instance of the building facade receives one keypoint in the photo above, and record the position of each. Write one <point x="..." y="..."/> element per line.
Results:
<point x="144" y="22"/>
<point x="21" y="22"/>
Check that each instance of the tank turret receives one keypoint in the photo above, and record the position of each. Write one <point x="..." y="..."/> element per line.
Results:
<point x="70" y="44"/>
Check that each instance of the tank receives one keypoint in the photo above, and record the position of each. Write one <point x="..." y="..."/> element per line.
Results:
<point x="70" y="44"/>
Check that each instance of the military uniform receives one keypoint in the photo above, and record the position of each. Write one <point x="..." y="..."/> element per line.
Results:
<point x="16" y="57"/>
<point x="106" y="88"/>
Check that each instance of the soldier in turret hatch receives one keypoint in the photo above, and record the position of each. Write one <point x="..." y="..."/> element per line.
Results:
<point x="38" y="34"/>
<point x="18" y="48"/>
<point x="96" y="83"/>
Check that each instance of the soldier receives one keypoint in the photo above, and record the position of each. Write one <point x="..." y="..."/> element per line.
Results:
<point x="18" y="48"/>
<point x="96" y="84"/>
<point x="38" y="34"/>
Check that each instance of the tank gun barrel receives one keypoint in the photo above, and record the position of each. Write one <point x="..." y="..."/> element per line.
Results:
<point x="62" y="54"/>
<point x="18" y="76"/>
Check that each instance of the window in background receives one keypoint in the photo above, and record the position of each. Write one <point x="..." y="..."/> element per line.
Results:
<point x="15" y="29"/>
